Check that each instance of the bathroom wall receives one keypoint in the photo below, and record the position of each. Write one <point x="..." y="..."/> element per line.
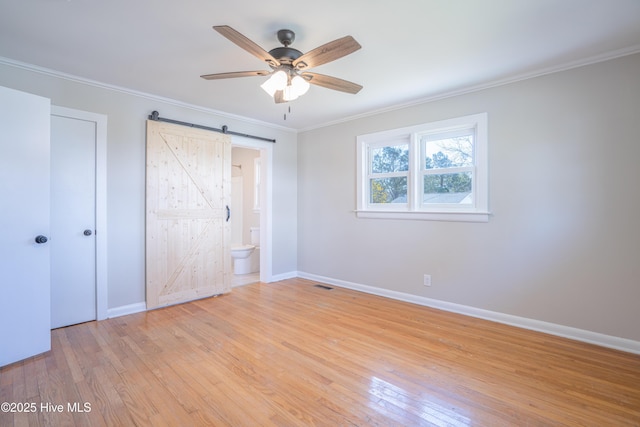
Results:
<point x="243" y="160"/>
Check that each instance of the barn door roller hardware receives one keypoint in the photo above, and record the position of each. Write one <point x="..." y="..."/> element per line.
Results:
<point x="155" y="116"/>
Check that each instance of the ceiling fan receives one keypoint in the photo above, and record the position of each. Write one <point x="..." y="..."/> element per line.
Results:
<point x="289" y="78"/>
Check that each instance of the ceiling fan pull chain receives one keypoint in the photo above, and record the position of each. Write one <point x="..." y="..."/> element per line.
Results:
<point x="289" y="111"/>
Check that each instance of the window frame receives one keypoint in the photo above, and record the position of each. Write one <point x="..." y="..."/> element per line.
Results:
<point x="415" y="208"/>
<point x="382" y="175"/>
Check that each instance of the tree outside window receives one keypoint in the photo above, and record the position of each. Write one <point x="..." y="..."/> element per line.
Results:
<point x="389" y="167"/>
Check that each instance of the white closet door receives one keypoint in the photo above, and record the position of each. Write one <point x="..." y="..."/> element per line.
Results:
<point x="73" y="220"/>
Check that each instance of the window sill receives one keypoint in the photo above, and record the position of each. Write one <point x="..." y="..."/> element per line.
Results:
<point x="427" y="216"/>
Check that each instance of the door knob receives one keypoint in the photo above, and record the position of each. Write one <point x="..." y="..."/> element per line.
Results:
<point x="87" y="232"/>
<point x="41" y="239"/>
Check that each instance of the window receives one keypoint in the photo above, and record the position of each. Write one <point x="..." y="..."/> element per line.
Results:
<point x="388" y="173"/>
<point x="434" y="171"/>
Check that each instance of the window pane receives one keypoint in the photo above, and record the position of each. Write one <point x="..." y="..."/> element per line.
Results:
<point x="448" y="152"/>
<point x="394" y="158"/>
<point x="388" y="190"/>
<point x="447" y="188"/>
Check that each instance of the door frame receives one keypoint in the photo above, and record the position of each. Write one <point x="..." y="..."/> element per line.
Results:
<point x="100" y="121"/>
<point x="266" y="196"/>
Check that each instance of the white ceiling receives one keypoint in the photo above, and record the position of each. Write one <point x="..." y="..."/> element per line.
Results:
<point x="412" y="50"/>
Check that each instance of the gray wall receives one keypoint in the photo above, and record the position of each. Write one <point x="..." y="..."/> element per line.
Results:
<point x="126" y="171"/>
<point x="563" y="243"/>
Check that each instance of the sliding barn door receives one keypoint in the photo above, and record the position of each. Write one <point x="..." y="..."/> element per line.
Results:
<point x="188" y="234"/>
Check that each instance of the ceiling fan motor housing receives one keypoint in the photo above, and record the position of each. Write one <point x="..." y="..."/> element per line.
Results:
<point x="286" y="55"/>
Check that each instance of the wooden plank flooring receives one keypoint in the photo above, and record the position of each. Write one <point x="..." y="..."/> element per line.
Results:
<point x="292" y="354"/>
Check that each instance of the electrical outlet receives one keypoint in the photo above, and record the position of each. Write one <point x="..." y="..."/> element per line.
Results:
<point x="427" y="280"/>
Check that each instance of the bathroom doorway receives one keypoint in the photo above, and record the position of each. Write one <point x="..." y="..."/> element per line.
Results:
<point x="250" y="204"/>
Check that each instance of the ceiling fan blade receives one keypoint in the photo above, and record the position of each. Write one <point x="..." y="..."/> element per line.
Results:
<point x="332" y="82"/>
<point x="327" y="53"/>
<point x="235" y="74"/>
<point x="246" y="44"/>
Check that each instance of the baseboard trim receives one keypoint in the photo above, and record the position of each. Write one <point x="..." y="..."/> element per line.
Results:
<point x="596" y="338"/>
<point x="284" y="276"/>
<point x="126" y="309"/>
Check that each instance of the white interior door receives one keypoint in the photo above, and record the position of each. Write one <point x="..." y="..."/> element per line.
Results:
<point x="25" y="320"/>
<point x="73" y="220"/>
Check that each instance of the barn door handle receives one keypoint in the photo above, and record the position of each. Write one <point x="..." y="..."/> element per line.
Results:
<point x="41" y="239"/>
<point x="228" y="213"/>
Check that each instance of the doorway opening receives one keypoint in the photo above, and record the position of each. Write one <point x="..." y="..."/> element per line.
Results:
<point x="251" y="210"/>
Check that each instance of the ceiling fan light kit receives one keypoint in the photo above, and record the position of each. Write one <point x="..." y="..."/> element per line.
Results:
<point x="277" y="81"/>
<point x="282" y="80"/>
<point x="288" y="80"/>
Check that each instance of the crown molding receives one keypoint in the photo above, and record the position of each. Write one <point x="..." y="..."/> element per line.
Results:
<point x="81" y="80"/>
<point x="487" y="85"/>
<point x="419" y="101"/>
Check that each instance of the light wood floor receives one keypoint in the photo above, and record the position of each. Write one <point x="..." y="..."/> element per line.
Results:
<point x="292" y="354"/>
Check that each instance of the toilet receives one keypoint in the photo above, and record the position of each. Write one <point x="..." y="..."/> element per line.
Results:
<point x="246" y="258"/>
